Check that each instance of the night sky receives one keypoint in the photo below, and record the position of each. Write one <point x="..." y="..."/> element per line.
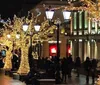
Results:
<point x="19" y="7"/>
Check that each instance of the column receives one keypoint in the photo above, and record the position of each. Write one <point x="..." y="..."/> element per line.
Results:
<point x="80" y="50"/>
<point x="98" y="49"/>
<point x="85" y="50"/>
<point x="63" y="47"/>
<point x="83" y="28"/>
<point x="96" y="52"/>
<point x="91" y="49"/>
<point x="67" y="45"/>
<point x="83" y="47"/>
<point x="77" y="47"/>
<point x="45" y="49"/>
<point x="71" y="26"/>
<point x="73" y="47"/>
<point x="89" y="26"/>
<point x="96" y="27"/>
<point x="88" y="48"/>
<point x="77" y="41"/>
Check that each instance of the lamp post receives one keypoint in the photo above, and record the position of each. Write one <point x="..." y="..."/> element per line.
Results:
<point x="49" y="15"/>
<point x="36" y="28"/>
<point x="66" y="15"/>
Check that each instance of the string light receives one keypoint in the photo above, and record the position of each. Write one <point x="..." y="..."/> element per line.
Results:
<point x="91" y="7"/>
<point x="22" y="39"/>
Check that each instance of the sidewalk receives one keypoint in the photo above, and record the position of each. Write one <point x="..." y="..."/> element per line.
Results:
<point x="77" y="81"/>
<point x="73" y="81"/>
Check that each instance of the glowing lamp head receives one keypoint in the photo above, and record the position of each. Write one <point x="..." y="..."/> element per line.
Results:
<point x="66" y="15"/>
<point x="8" y="36"/>
<point x="17" y="36"/>
<point x="25" y="27"/>
<point x="49" y="14"/>
<point x="37" y="28"/>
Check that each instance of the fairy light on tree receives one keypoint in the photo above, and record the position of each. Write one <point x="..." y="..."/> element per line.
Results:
<point x="24" y="38"/>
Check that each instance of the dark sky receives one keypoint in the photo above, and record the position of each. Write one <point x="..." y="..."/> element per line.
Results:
<point x="19" y="7"/>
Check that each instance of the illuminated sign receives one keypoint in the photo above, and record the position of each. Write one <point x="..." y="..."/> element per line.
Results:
<point x="53" y="50"/>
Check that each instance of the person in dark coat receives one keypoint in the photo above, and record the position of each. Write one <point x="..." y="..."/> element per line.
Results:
<point x="87" y="67"/>
<point x="64" y="69"/>
<point x="93" y="69"/>
<point x="78" y="66"/>
<point x="70" y="65"/>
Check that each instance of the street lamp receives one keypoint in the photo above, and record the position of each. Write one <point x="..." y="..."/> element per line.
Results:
<point x="25" y="27"/>
<point x="36" y="28"/>
<point x="66" y="15"/>
<point x="17" y="36"/>
<point x="8" y="36"/>
<point x="49" y="15"/>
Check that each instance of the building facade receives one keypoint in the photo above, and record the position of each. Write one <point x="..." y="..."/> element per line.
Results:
<point x="81" y="35"/>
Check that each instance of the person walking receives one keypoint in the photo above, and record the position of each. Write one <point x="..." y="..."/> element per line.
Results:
<point x="87" y="67"/>
<point x="64" y="69"/>
<point x="93" y="69"/>
<point x="70" y="65"/>
<point x="78" y="66"/>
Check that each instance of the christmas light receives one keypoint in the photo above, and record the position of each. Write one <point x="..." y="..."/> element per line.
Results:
<point x="21" y="39"/>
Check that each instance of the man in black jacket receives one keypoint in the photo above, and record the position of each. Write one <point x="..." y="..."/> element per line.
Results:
<point x="87" y="67"/>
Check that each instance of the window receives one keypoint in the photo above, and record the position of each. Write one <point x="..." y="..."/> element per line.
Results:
<point x="86" y="19"/>
<point x="75" y="20"/>
<point x="80" y="20"/>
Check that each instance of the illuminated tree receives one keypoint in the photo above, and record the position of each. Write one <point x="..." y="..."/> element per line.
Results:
<point x="22" y="40"/>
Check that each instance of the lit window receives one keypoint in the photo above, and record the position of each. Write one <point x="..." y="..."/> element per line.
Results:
<point x="93" y="32"/>
<point x="80" y="33"/>
<point x="75" y="21"/>
<point x="85" y="32"/>
<point x="99" y="32"/>
<point x="80" y="20"/>
<point x="80" y="40"/>
<point x="75" y="33"/>
<point x="86" y="19"/>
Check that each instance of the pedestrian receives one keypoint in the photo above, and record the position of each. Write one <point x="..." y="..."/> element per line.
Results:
<point x="70" y="65"/>
<point x="64" y="69"/>
<point x="78" y="66"/>
<point x="93" y="69"/>
<point x="87" y="67"/>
